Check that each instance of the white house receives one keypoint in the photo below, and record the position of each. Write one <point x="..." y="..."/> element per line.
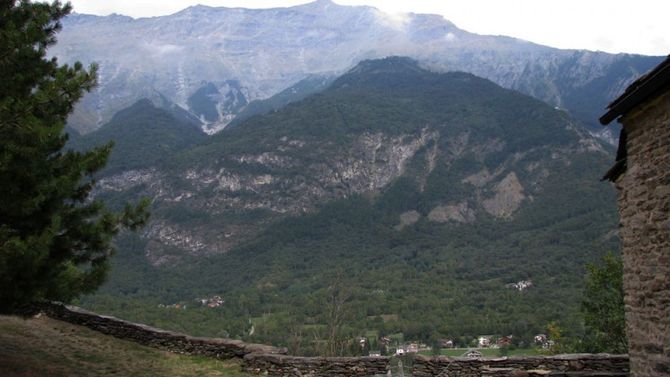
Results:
<point x="484" y="341"/>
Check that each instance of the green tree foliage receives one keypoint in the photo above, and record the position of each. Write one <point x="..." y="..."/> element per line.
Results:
<point x="336" y="315"/>
<point x="54" y="240"/>
<point x="558" y="343"/>
<point x="143" y="134"/>
<point x="426" y="281"/>
<point x="603" y="307"/>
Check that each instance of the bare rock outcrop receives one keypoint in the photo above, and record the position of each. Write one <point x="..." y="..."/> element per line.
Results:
<point x="507" y="198"/>
<point x="407" y="219"/>
<point x="459" y="212"/>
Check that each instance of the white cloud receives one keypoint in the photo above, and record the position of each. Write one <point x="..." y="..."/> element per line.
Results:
<point x="395" y="20"/>
<point x="659" y="43"/>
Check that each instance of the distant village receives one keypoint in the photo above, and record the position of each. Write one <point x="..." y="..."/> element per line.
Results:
<point x="482" y="342"/>
<point x="208" y="302"/>
<point x="388" y="346"/>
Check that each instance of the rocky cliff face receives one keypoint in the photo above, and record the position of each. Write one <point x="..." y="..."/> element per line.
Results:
<point x="278" y="182"/>
<point x="245" y="54"/>
<point x="467" y="149"/>
<point x="430" y="192"/>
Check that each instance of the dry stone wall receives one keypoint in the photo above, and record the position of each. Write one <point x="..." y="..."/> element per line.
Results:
<point x="644" y="208"/>
<point x="272" y="361"/>
<point x="576" y="365"/>
<point x="290" y="366"/>
<point x="153" y="337"/>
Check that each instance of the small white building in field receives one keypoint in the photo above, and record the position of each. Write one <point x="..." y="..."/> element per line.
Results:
<point x="484" y="341"/>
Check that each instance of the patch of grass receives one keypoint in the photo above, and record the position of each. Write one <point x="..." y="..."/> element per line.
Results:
<point x="46" y="347"/>
<point x="525" y="352"/>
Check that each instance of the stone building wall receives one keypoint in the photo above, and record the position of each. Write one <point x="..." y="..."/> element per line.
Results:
<point x="576" y="365"/>
<point x="644" y="208"/>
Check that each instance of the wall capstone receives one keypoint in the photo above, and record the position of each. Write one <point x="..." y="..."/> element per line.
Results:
<point x="289" y="366"/>
<point x="576" y="365"/>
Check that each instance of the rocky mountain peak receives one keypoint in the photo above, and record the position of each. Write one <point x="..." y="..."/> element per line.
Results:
<point x="269" y="50"/>
<point x="197" y="8"/>
<point x="321" y="3"/>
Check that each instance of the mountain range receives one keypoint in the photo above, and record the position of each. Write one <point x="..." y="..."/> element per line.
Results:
<point x="420" y="196"/>
<point x="215" y="62"/>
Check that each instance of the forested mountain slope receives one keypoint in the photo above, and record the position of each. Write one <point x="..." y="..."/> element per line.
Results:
<point x="418" y="196"/>
<point x="144" y="134"/>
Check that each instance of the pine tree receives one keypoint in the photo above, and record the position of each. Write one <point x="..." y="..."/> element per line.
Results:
<point x="55" y="241"/>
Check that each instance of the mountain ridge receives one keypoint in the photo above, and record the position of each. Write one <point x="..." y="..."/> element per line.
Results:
<point x="143" y="134"/>
<point x="268" y="50"/>
<point x="427" y="193"/>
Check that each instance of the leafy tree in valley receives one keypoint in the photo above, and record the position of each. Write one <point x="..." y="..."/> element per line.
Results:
<point x="337" y="298"/>
<point x="55" y="241"/>
<point x="603" y="307"/>
<point x="558" y="343"/>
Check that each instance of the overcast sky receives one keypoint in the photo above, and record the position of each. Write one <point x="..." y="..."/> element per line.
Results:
<point x="634" y="26"/>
